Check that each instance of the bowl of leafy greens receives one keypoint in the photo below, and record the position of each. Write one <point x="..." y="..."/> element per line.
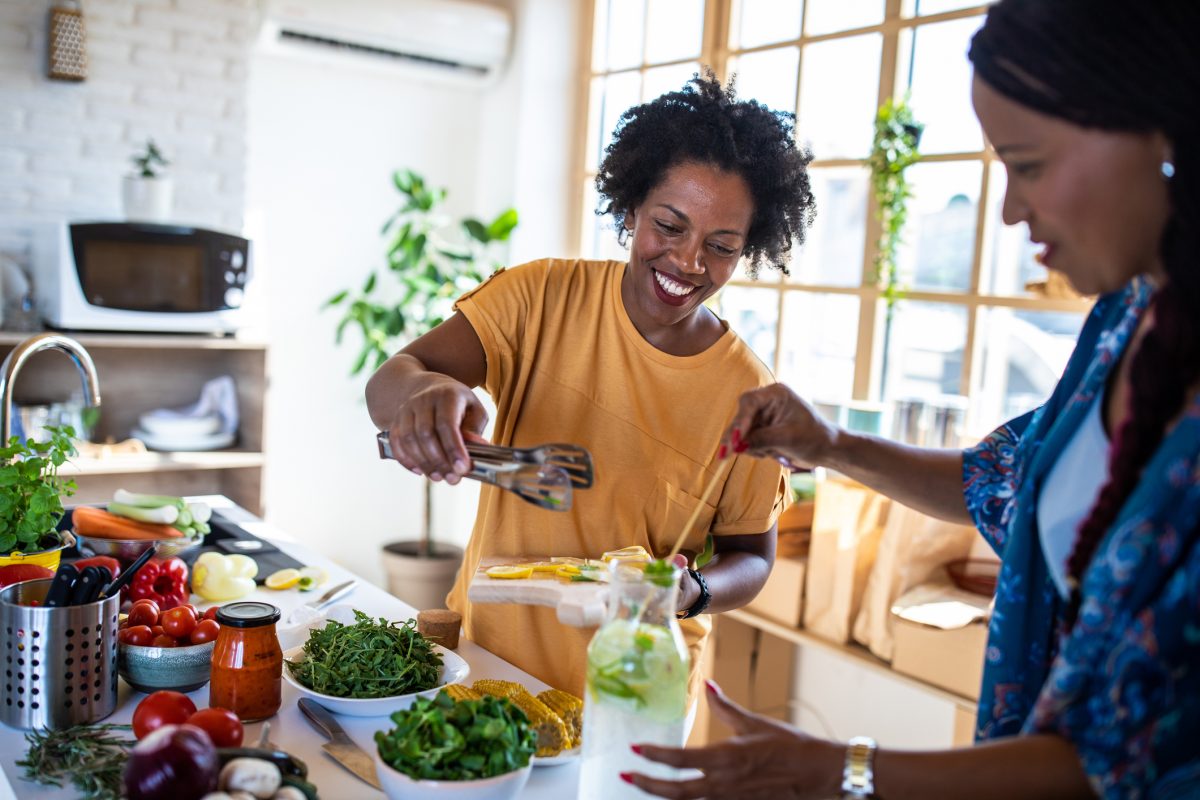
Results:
<point x="464" y="750"/>
<point x="370" y="668"/>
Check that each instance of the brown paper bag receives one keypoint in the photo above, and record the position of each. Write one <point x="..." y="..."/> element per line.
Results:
<point x="912" y="549"/>
<point x="847" y="524"/>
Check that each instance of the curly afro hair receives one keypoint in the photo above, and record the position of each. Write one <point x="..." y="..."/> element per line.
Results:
<point x="706" y="123"/>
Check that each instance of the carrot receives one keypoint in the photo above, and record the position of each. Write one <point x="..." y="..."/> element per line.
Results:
<point x="89" y="521"/>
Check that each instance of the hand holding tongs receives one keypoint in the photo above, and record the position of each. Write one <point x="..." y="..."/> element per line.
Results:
<point x="538" y="475"/>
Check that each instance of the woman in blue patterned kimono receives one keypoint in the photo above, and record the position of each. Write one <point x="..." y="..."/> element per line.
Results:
<point x="1092" y="673"/>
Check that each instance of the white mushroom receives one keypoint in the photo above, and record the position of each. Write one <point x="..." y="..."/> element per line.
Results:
<point x="251" y="775"/>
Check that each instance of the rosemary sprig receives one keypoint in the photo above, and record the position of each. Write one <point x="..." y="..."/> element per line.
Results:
<point x="92" y="757"/>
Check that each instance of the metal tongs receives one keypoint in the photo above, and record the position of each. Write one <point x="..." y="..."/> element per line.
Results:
<point x="543" y="475"/>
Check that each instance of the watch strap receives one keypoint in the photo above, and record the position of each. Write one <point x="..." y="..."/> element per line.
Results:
<point x="858" y="774"/>
<point x="697" y="608"/>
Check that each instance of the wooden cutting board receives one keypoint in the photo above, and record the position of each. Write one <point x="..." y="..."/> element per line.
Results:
<point x="581" y="604"/>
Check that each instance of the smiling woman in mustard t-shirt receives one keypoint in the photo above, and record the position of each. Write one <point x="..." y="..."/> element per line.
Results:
<point x="626" y="360"/>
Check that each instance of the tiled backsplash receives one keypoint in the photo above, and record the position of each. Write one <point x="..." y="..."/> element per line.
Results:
<point x="171" y="70"/>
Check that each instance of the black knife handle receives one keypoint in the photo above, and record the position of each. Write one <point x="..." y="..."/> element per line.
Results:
<point x="88" y="578"/>
<point x="59" y="593"/>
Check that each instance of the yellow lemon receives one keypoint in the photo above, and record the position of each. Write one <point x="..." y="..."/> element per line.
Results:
<point x="311" y="578"/>
<point x="566" y="571"/>
<point x="632" y="553"/>
<point x="540" y="566"/>
<point x="283" y="579"/>
<point x="509" y="572"/>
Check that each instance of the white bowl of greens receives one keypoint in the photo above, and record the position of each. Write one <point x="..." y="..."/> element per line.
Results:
<point x="370" y="668"/>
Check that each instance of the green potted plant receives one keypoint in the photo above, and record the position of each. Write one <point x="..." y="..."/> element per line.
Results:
<point x="31" y="492"/>
<point x="893" y="151"/>
<point x="431" y="259"/>
<point x="147" y="191"/>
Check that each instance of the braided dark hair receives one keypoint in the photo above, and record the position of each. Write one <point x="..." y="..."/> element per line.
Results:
<point x="707" y="124"/>
<point x="1123" y="66"/>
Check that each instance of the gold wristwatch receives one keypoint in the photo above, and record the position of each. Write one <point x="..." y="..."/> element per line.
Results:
<point x="858" y="776"/>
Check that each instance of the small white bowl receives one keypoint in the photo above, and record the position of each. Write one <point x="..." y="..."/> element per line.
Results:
<point x="398" y="786"/>
<point x="454" y="670"/>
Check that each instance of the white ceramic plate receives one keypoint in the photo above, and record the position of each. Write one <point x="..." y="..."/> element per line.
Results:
<point x="159" y="442"/>
<point x="565" y="757"/>
<point x="454" y="670"/>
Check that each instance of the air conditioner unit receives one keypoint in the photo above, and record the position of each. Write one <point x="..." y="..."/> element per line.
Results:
<point x="462" y="41"/>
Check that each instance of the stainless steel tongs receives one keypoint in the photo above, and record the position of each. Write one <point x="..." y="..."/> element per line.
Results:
<point x="576" y="461"/>
<point x="545" y="485"/>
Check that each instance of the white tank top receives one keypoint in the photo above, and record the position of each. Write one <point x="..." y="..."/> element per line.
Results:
<point x="1070" y="491"/>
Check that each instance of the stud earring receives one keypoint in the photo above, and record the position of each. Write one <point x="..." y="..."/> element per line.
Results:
<point x="1167" y="169"/>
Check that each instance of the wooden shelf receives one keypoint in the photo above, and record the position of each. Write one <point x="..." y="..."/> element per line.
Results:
<point x="164" y="462"/>
<point x="146" y="341"/>
<point x="857" y="652"/>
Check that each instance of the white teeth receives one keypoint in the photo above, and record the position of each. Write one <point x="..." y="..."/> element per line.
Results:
<point x="672" y="287"/>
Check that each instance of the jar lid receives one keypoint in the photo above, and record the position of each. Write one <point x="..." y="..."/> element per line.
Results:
<point x="250" y="614"/>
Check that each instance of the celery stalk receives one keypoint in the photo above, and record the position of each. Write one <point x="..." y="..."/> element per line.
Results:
<point x="146" y="500"/>
<point x="163" y="515"/>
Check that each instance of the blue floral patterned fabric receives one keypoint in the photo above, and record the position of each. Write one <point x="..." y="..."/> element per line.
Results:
<point x="1124" y="686"/>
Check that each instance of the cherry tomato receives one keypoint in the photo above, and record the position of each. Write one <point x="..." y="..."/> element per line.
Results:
<point x="211" y="613"/>
<point x="195" y="611"/>
<point x="221" y="725"/>
<point x="144" y="612"/>
<point x="205" y="631"/>
<point x="138" y="635"/>
<point x="179" y="622"/>
<point x="161" y="708"/>
<point x="163" y="640"/>
<point x="157" y="630"/>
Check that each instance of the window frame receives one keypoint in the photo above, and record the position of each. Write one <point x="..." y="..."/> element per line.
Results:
<point x="717" y="53"/>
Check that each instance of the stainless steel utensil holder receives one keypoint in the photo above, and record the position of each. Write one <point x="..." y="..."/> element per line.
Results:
<point x="60" y="664"/>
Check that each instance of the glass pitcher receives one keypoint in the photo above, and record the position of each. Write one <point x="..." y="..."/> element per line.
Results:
<point x="637" y="681"/>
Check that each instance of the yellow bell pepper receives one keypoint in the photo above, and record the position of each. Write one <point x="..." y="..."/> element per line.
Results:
<point x="218" y="578"/>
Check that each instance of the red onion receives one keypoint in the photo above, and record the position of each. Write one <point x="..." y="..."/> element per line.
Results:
<point x="174" y="762"/>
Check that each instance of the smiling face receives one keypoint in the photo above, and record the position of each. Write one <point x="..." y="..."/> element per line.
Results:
<point x="1095" y="199"/>
<point x="686" y="239"/>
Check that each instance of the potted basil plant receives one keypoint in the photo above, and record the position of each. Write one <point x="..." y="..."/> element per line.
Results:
<point x="430" y="260"/>
<point x="31" y="492"/>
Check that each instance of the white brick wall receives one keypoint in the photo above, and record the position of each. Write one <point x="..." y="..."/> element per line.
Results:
<point x="174" y="70"/>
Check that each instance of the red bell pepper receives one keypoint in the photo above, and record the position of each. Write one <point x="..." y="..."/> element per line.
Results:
<point x="163" y="581"/>
<point x="108" y="562"/>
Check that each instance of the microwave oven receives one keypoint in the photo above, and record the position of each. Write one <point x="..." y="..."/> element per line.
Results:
<point x="135" y="276"/>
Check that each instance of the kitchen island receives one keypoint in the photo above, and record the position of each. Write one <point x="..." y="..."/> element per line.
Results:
<point x="289" y="730"/>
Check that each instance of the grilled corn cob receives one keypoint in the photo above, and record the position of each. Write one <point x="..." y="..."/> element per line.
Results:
<point x="569" y="709"/>
<point x="459" y="692"/>
<point x="497" y="688"/>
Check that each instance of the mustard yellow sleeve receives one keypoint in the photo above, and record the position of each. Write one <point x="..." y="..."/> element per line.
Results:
<point x="755" y="494"/>
<point x="499" y="310"/>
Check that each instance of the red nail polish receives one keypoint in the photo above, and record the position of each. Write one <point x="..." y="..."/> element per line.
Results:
<point x="741" y="447"/>
<point x="712" y="687"/>
<point x="737" y="437"/>
<point x="627" y="777"/>
<point x="721" y="452"/>
<point x="636" y="748"/>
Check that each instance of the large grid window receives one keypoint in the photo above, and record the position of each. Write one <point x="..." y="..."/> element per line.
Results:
<point x="971" y="320"/>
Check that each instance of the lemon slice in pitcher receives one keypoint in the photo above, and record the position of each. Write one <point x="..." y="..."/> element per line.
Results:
<point x="509" y="572"/>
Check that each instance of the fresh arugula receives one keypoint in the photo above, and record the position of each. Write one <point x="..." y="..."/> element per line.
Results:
<point x="444" y="740"/>
<point x="31" y="490"/>
<point x="367" y="659"/>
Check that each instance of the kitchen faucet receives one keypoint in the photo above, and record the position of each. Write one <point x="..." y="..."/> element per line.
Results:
<point x="21" y="353"/>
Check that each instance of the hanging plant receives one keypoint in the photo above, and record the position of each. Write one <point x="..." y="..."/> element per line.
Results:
<point x="894" y="150"/>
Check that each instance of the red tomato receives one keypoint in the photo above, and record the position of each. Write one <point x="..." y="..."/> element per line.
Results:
<point x="138" y="635"/>
<point x="195" y="611"/>
<point x="161" y="708"/>
<point x="211" y="613"/>
<point x="162" y="640"/>
<point x="157" y="630"/>
<point x="205" y="631"/>
<point x="144" y="612"/>
<point x="221" y="725"/>
<point x="179" y="622"/>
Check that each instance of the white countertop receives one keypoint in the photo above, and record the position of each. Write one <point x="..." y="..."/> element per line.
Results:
<point x="290" y="730"/>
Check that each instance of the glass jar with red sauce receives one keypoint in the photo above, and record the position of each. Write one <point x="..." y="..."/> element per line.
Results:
<point x="247" y="663"/>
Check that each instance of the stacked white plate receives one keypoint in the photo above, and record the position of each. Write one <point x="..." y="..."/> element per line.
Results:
<point x="165" y="432"/>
